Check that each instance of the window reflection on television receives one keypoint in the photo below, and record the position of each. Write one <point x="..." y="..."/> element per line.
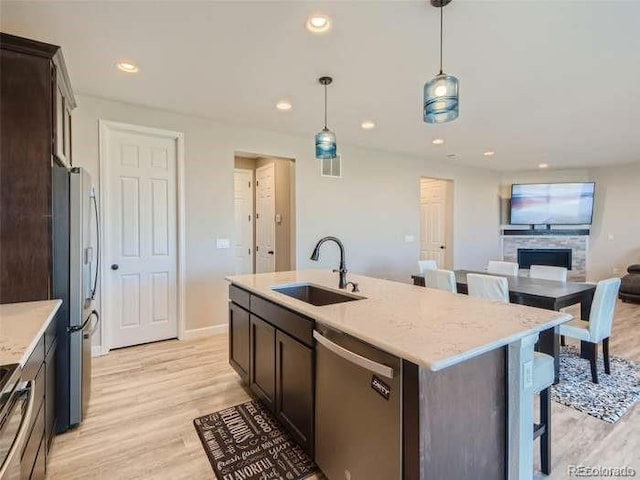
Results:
<point x="552" y="204"/>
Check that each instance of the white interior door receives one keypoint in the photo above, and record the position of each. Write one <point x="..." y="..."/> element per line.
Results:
<point x="265" y="219"/>
<point x="141" y="236"/>
<point x="243" y="204"/>
<point x="433" y="218"/>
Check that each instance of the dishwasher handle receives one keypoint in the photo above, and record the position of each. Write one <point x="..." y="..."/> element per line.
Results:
<point x="359" y="360"/>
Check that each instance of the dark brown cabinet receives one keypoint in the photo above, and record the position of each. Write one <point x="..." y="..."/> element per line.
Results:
<point x="277" y="346"/>
<point x="35" y="134"/>
<point x="263" y="355"/>
<point x="294" y="388"/>
<point x="50" y="396"/>
<point x="239" y="340"/>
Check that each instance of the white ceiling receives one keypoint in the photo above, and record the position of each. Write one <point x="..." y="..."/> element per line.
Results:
<point x="541" y="81"/>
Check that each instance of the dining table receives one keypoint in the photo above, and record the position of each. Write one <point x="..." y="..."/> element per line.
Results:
<point x="535" y="292"/>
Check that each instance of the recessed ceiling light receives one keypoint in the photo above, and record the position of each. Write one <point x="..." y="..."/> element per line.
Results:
<point x="368" y="125"/>
<point x="437" y="141"/>
<point x="284" y="105"/>
<point x="318" y="23"/>
<point x="543" y="165"/>
<point x="127" y="67"/>
<point x="489" y="153"/>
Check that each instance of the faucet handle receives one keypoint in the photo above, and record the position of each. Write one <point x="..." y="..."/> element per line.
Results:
<point x="354" y="286"/>
<point x="339" y="270"/>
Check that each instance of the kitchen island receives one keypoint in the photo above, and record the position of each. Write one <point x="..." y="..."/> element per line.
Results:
<point x="460" y="369"/>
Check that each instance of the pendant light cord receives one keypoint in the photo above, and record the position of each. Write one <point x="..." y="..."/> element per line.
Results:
<point x="441" y="28"/>
<point x="325" y="106"/>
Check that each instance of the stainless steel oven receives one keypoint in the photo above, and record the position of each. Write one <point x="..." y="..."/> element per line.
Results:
<point x="16" y="408"/>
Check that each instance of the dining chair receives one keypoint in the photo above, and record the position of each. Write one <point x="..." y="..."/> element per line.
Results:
<point x="546" y="272"/>
<point x="503" y="268"/>
<point x="424" y="265"/>
<point x="488" y="287"/>
<point x="440" y="279"/>
<point x="599" y="327"/>
<point x="495" y="288"/>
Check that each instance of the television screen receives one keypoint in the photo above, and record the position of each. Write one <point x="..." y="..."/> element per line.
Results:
<point x="552" y="204"/>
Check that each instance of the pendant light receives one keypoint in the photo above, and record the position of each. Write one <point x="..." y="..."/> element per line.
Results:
<point x="325" y="139"/>
<point x="441" y="92"/>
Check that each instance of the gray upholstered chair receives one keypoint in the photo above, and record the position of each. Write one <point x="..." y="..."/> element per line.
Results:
<point x="424" y="265"/>
<point x="440" y="279"/>
<point x="488" y="287"/>
<point x="503" y="268"/>
<point x="545" y="272"/>
<point x="599" y="327"/>
<point x="497" y="289"/>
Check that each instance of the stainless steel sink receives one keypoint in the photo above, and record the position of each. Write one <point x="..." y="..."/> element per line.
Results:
<point x="315" y="295"/>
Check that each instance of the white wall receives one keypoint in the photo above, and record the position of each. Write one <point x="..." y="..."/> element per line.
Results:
<point x="615" y="236"/>
<point x="616" y="203"/>
<point x="371" y="208"/>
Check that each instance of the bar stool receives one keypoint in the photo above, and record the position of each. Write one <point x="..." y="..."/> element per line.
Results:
<point x="543" y="377"/>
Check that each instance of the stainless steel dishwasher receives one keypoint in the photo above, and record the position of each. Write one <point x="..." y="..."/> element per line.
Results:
<point x="358" y="409"/>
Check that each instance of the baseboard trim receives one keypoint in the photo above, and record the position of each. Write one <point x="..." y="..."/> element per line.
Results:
<point x="205" y="332"/>
<point x="96" y="351"/>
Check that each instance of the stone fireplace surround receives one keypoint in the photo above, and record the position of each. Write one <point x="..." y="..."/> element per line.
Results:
<point x="579" y="244"/>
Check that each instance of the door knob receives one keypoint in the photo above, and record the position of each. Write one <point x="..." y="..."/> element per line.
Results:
<point x="115" y="266"/>
<point x="270" y="252"/>
<point x="442" y="247"/>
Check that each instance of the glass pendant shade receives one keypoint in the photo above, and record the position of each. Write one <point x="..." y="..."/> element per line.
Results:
<point x="325" y="144"/>
<point x="441" y="99"/>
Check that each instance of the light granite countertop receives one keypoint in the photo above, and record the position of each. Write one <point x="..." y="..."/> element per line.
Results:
<point x="21" y="326"/>
<point x="432" y="328"/>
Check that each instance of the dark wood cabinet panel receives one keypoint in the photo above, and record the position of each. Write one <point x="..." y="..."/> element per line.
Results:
<point x="50" y="396"/>
<point x="32" y="74"/>
<point x="263" y="371"/>
<point x="40" y="466"/>
<point x="239" y="340"/>
<point x="240" y="297"/>
<point x="294" y="324"/>
<point x="294" y="388"/>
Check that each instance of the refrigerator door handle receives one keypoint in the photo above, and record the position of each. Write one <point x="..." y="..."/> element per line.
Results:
<point x="95" y="278"/>
<point x="78" y="328"/>
<point x="352" y="357"/>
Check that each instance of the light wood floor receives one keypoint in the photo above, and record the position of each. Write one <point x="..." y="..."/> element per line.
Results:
<point x="144" y="399"/>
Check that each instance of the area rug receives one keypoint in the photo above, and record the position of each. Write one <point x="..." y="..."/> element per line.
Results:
<point x="245" y="442"/>
<point x="608" y="400"/>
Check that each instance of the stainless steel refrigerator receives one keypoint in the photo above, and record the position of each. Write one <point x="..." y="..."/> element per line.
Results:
<point x="80" y="238"/>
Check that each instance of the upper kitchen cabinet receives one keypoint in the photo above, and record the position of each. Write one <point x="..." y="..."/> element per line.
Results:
<point x="36" y="101"/>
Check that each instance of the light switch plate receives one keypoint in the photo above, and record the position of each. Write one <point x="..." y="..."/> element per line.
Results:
<point x="223" y="243"/>
<point x="409" y="238"/>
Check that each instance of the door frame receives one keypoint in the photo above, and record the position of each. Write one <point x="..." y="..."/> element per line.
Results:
<point x="105" y="128"/>
<point x="253" y="213"/>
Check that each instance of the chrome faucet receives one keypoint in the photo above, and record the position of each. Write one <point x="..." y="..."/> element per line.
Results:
<point x="342" y="270"/>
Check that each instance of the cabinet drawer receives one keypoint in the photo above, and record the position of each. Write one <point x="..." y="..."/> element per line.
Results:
<point x="34" y="362"/>
<point x="33" y="445"/>
<point x="239" y="296"/>
<point x="297" y="326"/>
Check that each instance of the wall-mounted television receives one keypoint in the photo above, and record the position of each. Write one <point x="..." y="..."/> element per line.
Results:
<point x="552" y="203"/>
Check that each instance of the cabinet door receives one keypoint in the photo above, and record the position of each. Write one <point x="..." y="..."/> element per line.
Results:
<point x="294" y="388"/>
<point x="239" y="340"/>
<point x="263" y="358"/>
<point x="50" y="396"/>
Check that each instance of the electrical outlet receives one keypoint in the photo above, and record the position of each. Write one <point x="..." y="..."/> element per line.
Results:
<point x="610" y="236"/>
<point x="409" y="238"/>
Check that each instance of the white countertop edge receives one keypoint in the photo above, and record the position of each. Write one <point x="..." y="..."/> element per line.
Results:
<point x="453" y="360"/>
<point x="29" y="350"/>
